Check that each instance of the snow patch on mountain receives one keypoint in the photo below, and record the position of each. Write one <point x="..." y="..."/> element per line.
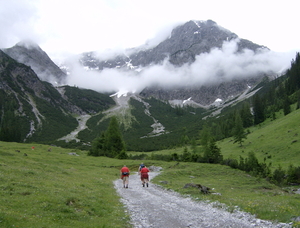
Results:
<point x="186" y="100"/>
<point x="198" y="23"/>
<point x="120" y="94"/>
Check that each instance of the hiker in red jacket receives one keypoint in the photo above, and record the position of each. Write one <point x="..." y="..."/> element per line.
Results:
<point x="125" y="176"/>
<point x="145" y="176"/>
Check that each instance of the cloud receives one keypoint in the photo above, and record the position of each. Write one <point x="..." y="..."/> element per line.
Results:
<point x="17" y="21"/>
<point x="218" y="65"/>
<point x="226" y="63"/>
<point x="62" y="27"/>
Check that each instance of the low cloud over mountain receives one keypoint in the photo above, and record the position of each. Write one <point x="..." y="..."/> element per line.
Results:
<point x="194" y="55"/>
<point x="218" y="65"/>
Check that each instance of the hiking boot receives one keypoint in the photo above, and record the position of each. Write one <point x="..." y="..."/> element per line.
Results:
<point x="126" y="186"/>
<point x="147" y="185"/>
<point x="143" y="185"/>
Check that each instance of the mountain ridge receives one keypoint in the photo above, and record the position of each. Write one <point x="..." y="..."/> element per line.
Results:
<point x="157" y="113"/>
<point x="182" y="49"/>
<point x="184" y="43"/>
<point x="30" y="54"/>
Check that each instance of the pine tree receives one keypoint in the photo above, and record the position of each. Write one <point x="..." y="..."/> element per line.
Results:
<point x="184" y="138"/>
<point x="258" y="109"/>
<point x="110" y="143"/>
<point x="246" y="115"/>
<point x="298" y="101"/>
<point x="238" y="132"/>
<point x="212" y="153"/>
<point x="286" y="106"/>
<point x="114" y="143"/>
<point x="194" y="145"/>
<point x="186" y="156"/>
<point x="9" y="127"/>
<point x="205" y="136"/>
<point x="98" y="146"/>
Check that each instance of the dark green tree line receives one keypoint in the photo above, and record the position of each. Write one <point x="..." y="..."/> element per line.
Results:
<point x="9" y="121"/>
<point x="110" y="143"/>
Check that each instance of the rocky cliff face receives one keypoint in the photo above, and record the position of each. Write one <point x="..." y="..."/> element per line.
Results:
<point x="16" y="76"/>
<point x="32" y="55"/>
<point x="204" y="95"/>
<point x="182" y="47"/>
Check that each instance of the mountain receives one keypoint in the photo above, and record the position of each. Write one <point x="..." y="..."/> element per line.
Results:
<point x="183" y="45"/>
<point x="32" y="55"/>
<point x="34" y="110"/>
<point x="181" y="49"/>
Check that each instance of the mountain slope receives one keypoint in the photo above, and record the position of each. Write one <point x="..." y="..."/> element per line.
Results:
<point x="184" y="44"/>
<point x="155" y="118"/>
<point x="199" y="76"/>
<point x="32" y="55"/>
<point x="37" y="110"/>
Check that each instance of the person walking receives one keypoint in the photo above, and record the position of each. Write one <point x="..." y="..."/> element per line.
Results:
<point x="140" y="167"/>
<point x="145" y="176"/>
<point x="125" y="172"/>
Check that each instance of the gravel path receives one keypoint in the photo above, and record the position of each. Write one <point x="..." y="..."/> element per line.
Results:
<point x="156" y="207"/>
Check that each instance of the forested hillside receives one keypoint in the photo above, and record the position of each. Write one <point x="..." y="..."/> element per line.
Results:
<point x="185" y="124"/>
<point x="259" y="135"/>
<point x="33" y="110"/>
<point x="273" y="96"/>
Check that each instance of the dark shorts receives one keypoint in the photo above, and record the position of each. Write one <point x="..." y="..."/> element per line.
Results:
<point x="144" y="176"/>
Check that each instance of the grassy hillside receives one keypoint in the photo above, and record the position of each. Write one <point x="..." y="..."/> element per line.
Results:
<point x="58" y="189"/>
<point x="276" y="142"/>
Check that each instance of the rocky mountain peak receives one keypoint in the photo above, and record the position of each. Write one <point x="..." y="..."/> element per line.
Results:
<point x="30" y="54"/>
<point x="28" y="44"/>
<point x="185" y="43"/>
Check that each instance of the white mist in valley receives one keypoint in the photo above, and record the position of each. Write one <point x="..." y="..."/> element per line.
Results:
<point x="219" y="65"/>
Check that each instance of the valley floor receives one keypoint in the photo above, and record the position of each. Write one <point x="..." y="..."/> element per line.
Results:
<point x="154" y="207"/>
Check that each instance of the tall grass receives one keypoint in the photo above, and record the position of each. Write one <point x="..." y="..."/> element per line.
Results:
<point x="56" y="189"/>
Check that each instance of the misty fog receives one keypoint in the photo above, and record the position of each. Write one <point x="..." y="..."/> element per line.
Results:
<point x="218" y="65"/>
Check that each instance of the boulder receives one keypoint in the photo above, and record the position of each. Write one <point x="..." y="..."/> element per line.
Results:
<point x="202" y="188"/>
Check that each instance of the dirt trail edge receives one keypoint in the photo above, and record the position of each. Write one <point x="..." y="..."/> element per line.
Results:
<point x="157" y="207"/>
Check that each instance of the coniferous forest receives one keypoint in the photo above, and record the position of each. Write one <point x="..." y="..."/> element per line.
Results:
<point x="276" y="95"/>
<point x="185" y="126"/>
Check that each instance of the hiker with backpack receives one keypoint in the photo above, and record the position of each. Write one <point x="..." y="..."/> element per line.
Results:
<point x="144" y="176"/>
<point x="125" y="172"/>
<point x="140" y="167"/>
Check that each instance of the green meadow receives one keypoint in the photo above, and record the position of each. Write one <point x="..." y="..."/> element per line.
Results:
<point x="67" y="188"/>
<point x="277" y="142"/>
<point x="56" y="189"/>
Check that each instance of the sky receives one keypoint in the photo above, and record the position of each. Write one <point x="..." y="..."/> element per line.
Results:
<point x="67" y="27"/>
